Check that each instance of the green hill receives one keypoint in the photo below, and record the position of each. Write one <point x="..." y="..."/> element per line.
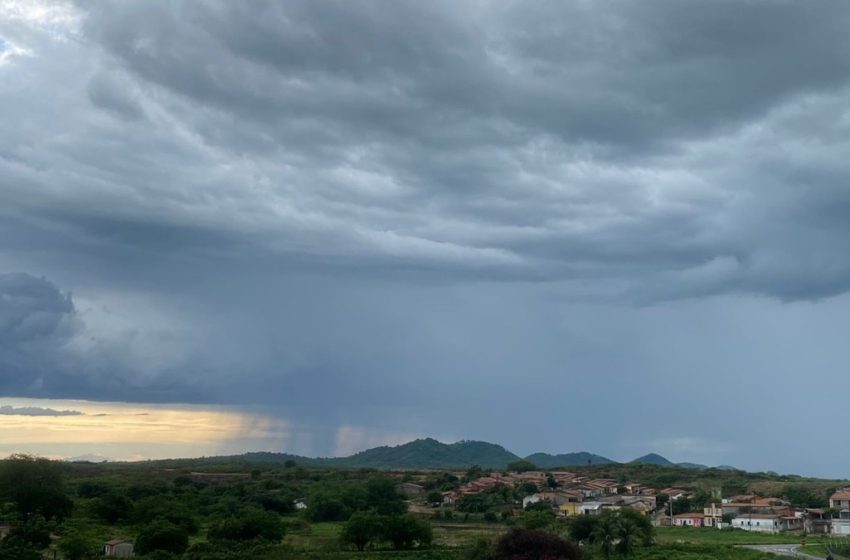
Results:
<point x="580" y="459"/>
<point x="431" y="454"/>
<point x="654" y="459"/>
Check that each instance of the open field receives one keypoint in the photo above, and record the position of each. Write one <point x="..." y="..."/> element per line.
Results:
<point x="705" y="536"/>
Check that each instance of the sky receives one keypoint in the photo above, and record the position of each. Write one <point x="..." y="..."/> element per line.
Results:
<point x="318" y="227"/>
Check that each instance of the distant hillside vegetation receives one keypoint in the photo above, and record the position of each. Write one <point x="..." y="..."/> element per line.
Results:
<point x="654" y="459"/>
<point x="580" y="459"/>
<point x="431" y="454"/>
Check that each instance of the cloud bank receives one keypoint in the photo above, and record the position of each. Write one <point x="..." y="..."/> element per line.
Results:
<point x="369" y="215"/>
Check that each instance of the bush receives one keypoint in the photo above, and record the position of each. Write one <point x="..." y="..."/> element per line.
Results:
<point x="177" y="513"/>
<point x="249" y="526"/>
<point x="406" y="531"/>
<point x="111" y="507"/>
<point x="35" y="531"/>
<point x="35" y="486"/>
<point x="164" y="536"/>
<point x="76" y="546"/>
<point x="529" y="544"/>
<point x="537" y="519"/>
<point x="361" y="529"/>
<point x="18" y="549"/>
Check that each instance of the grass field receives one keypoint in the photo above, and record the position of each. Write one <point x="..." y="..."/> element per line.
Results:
<point x="688" y="535"/>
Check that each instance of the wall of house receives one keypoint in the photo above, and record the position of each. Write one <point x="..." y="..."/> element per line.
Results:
<point x="757" y="525"/>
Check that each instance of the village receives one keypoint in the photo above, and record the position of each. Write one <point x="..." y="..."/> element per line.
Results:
<point x="568" y="494"/>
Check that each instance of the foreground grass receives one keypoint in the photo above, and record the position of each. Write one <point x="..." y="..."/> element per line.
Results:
<point x="689" y="535"/>
<point x="699" y="552"/>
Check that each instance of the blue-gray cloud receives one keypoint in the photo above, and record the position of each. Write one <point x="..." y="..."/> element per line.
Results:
<point x="346" y="212"/>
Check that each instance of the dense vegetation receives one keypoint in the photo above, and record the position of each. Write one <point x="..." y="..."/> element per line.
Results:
<point x="170" y="512"/>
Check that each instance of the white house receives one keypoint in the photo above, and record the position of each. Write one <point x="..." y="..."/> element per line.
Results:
<point x="591" y="508"/>
<point x="118" y="548"/>
<point x="767" y="523"/>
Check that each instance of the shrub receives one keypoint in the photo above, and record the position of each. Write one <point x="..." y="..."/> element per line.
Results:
<point x="249" y="526"/>
<point x="406" y="531"/>
<point x="164" y="536"/>
<point x="530" y="544"/>
<point x="361" y="529"/>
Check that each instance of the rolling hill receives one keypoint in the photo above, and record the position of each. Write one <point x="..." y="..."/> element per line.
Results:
<point x="580" y="459"/>
<point x="653" y="459"/>
<point x="431" y="454"/>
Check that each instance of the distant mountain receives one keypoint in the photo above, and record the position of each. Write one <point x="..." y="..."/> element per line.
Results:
<point x="426" y="454"/>
<point x="654" y="459"/>
<point x="581" y="459"/>
<point x="431" y="454"/>
<point x="695" y="466"/>
<point x="88" y="458"/>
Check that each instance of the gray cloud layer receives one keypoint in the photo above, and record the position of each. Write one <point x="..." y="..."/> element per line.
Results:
<point x="419" y="204"/>
<point x="7" y="410"/>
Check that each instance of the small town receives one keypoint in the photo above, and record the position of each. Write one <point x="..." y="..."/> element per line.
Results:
<point x="568" y="494"/>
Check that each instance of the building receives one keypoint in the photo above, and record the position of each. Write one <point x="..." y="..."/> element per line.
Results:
<point x="817" y="522"/>
<point x="841" y="525"/>
<point x="591" y="508"/>
<point x="450" y="497"/>
<point x="118" y="548"/>
<point x="410" y="489"/>
<point x="840" y="499"/>
<point x="674" y="493"/>
<point x="569" y="509"/>
<point x="713" y="516"/>
<point x="691" y="519"/>
<point x="768" y="523"/>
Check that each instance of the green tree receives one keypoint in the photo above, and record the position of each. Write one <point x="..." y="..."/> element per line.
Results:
<point x="35" y="485"/>
<point x="35" y="530"/>
<point x="406" y="531"/>
<point x="642" y="523"/>
<point x="581" y="527"/>
<point x="326" y="505"/>
<point x="383" y="496"/>
<point x="76" y="546"/>
<point x="361" y="529"/>
<point x="604" y="536"/>
<point x="627" y="533"/>
<point x="524" y="544"/>
<point x="174" y="511"/>
<point x="112" y="507"/>
<point x="521" y="466"/>
<point x="164" y="536"/>
<point x="249" y="526"/>
<point x="434" y="497"/>
<point x="15" y="548"/>
<point x="474" y="472"/>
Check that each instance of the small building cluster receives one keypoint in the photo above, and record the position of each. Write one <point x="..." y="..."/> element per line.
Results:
<point x="569" y="494"/>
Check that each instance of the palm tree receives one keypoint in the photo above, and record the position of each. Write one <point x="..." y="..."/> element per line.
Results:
<point x="627" y="531"/>
<point x="604" y="535"/>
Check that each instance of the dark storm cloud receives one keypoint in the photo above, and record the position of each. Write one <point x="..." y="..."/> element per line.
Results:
<point x="522" y="141"/>
<point x="352" y="211"/>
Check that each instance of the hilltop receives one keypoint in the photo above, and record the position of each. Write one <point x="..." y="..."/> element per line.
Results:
<point x="428" y="453"/>
<point x="580" y="459"/>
